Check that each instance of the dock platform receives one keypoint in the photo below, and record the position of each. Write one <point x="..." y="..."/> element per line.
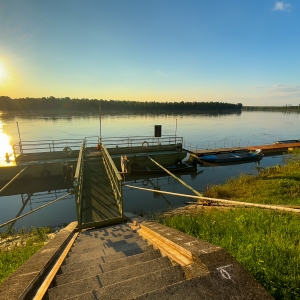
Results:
<point x="266" y="149"/>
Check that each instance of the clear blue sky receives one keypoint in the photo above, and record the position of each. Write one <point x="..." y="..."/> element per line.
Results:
<point x="152" y="50"/>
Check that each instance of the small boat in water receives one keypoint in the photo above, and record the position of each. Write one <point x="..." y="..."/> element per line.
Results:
<point x="231" y="157"/>
<point x="287" y="142"/>
<point x="182" y="167"/>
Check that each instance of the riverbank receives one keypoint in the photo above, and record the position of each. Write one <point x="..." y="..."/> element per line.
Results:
<point x="264" y="242"/>
<point x="15" y="249"/>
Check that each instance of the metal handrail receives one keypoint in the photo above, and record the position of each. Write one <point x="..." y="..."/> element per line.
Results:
<point x="50" y="146"/>
<point x="78" y="182"/>
<point x="115" y="178"/>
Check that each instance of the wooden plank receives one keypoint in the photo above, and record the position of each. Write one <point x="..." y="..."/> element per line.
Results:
<point x="46" y="283"/>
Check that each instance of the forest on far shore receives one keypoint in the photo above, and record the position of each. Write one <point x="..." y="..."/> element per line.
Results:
<point x="66" y="104"/>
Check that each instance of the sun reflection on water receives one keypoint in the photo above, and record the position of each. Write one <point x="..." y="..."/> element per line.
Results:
<point x="6" y="150"/>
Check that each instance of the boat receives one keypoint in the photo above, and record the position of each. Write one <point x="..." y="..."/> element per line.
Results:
<point x="287" y="142"/>
<point x="174" y="168"/>
<point x="231" y="157"/>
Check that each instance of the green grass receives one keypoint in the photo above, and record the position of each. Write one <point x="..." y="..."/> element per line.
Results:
<point x="273" y="185"/>
<point x="265" y="242"/>
<point x="14" y="255"/>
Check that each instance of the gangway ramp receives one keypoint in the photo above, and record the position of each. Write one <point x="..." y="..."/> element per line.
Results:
<point x="98" y="189"/>
<point x="98" y="198"/>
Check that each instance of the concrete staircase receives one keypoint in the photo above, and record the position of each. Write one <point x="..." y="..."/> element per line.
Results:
<point x="113" y="263"/>
<point x="136" y="260"/>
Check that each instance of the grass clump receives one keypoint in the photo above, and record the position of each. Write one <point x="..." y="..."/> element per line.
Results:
<point x="15" y="249"/>
<point x="265" y="242"/>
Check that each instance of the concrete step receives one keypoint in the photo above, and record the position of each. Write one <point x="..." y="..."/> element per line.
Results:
<point x="133" y="287"/>
<point x="92" y="269"/>
<point x="101" y="280"/>
<point x="100" y="238"/>
<point x="89" y="246"/>
<point x="102" y="259"/>
<point x="187" y="290"/>
<point x="208" y="287"/>
<point x="104" y="251"/>
<point x="110" y="231"/>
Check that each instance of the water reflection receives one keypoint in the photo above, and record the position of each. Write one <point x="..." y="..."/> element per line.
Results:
<point x="26" y="195"/>
<point x="6" y="150"/>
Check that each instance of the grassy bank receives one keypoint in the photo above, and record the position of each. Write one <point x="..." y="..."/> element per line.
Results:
<point x="266" y="243"/>
<point x="278" y="185"/>
<point x="15" y="249"/>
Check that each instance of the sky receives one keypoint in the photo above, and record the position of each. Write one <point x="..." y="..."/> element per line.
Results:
<point x="152" y="50"/>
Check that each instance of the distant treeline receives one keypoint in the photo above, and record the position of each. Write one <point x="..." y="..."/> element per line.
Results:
<point x="67" y="104"/>
<point x="273" y="108"/>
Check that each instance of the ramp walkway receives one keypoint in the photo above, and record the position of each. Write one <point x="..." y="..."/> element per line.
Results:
<point x="98" y="189"/>
<point x="98" y="198"/>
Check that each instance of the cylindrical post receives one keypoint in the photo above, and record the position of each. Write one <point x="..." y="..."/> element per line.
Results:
<point x="100" y="123"/>
<point x="176" y="131"/>
<point x="20" y="142"/>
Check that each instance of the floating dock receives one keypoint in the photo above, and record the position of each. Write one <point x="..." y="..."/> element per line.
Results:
<point x="276" y="148"/>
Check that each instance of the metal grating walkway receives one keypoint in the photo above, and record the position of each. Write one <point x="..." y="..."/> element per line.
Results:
<point x="98" y="201"/>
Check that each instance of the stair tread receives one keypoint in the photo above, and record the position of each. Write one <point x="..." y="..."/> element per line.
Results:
<point x="133" y="287"/>
<point x="91" y="269"/>
<point x="86" y="246"/>
<point x="114" y="230"/>
<point x="102" y="252"/>
<point x="102" y="259"/>
<point x="101" y="280"/>
<point x="208" y="287"/>
<point x="125" y="235"/>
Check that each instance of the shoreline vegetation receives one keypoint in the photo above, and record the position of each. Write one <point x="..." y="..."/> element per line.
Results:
<point x="266" y="243"/>
<point x="62" y="105"/>
<point x="17" y="248"/>
<point x="79" y="105"/>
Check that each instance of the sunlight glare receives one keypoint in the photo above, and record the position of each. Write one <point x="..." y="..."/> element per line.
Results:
<point x="5" y="147"/>
<point x="3" y="72"/>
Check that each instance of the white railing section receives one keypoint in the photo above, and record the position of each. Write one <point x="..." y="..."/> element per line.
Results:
<point x="211" y="145"/>
<point x="68" y="146"/>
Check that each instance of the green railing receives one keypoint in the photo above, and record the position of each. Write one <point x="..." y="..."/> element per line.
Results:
<point x="78" y="183"/>
<point x="114" y="177"/>
<point x="115" y="180"/>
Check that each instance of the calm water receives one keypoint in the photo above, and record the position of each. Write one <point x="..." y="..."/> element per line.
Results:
<point x="198" y="131"/>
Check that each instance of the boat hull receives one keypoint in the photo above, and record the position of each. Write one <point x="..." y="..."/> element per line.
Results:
<point x="231" y="157"/>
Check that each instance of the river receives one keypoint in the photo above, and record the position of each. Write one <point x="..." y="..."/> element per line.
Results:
<point x="205" y="131"/>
